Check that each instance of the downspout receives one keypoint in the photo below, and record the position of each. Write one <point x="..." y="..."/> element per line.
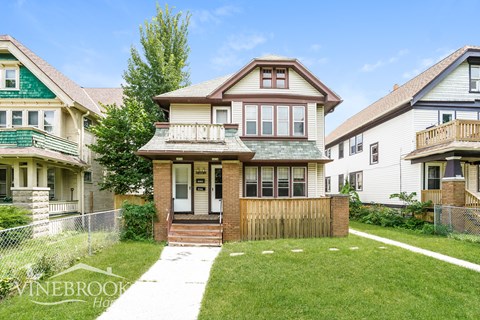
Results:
<point x="82" y="173"/>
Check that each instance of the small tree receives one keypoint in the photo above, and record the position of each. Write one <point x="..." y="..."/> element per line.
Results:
<point x="411" y="206"/>
<point x="354" y="199"/>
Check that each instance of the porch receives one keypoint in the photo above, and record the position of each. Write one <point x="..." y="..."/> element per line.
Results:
<point x="453" y="131"/>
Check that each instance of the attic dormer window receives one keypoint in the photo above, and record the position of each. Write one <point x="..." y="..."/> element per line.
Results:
<point x="474" y="78"/>
<point x="9" y="78"/>
<point x="274" y="78"/>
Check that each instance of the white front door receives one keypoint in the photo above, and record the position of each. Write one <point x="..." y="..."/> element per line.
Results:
<point x="216" y="188"/>
<point x="182" y="183"/>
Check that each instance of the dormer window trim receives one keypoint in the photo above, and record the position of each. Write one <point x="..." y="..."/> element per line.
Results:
<point x="274" y="77"/>
<point x="6" y="78"/>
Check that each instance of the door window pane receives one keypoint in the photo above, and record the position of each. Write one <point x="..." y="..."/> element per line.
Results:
<point x="17" y="118"/>
<point x="181" y="182"/>
<point x="218" y="183"/>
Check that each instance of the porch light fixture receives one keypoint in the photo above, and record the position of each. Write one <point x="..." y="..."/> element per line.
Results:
<point x="179" y="158"/>
<point x="214" y="159"/>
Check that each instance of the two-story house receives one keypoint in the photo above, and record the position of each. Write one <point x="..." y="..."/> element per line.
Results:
<point x="422" y="137"/>
<point x="258" y="133"/>
<point x="44" y="121"/>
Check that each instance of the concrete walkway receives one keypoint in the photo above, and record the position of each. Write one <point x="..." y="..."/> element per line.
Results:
<point x="172" y="289"/>
<point x="435" y="255"/>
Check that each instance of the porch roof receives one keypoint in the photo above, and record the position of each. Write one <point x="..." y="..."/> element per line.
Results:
<point x="28" y="152"/>
<point x="440" y="151"/>
<point x="160" y="148"/>
<point x="286" y="150"/>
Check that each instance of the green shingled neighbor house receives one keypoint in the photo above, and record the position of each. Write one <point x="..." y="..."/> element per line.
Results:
<point x="44" y="118"/>
<point x="242" y="147"/>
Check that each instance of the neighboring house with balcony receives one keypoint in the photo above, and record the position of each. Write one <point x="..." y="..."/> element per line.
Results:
<point x="257" y="134"/>
<point x="44" y="120"/>
<point x="422" y="137"/>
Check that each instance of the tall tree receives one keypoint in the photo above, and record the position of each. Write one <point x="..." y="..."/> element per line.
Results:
<point x="160" y="66"/>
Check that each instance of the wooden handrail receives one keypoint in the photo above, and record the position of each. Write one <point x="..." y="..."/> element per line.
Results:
<point x="471" y="199"/>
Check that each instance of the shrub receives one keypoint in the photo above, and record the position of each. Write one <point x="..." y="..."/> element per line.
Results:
<point x="411" y="205"/>
<point x="138" y="221"/>
<point x="11" y="216"/>
<point x="45" y="267"/>
<point x="6" y="286"/>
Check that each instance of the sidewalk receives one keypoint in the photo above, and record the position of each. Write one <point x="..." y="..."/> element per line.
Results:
<point x="172" y="289"/>
<point x="432" y="254"/>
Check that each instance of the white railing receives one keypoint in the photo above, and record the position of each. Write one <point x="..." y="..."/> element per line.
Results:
<point x="196" y="132"/>
<point x="63" y="206"/>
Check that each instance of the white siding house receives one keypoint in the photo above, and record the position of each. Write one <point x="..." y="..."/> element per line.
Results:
<point x="414" y="137"/>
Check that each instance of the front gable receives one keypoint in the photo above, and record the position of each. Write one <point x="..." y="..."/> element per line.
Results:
<point x="29" y="86"/>
<point x="251" y="84"/>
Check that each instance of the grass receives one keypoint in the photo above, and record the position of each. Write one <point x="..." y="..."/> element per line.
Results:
<point x="451" y="247"/>
<point x="127" y="259"/>
<point x="368" y="283"/>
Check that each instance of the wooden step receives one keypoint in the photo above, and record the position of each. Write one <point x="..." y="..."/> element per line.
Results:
<point x="201" y="234"/>
<point x="195" y="226"/>
<point x="195" y="232"/>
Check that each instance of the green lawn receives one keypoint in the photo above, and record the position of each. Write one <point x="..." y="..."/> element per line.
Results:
<point x="367" y="283"/>
<point x="455" y="248"/>
<point x="127" y="259"/>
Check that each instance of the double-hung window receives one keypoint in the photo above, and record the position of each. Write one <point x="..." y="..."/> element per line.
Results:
<point x="328" y="184"/>
<point x="17" y="118"/>
<point x="341" y="182"/>
<point x="275" y="78"/>
<point x="280" y="78"/>
<point x="267" y="181"/>
<point x="267" y="120"/>
<point x="298" y="121"/>
<point x="374" y="153"/>
<point x="356" y="144"/>
<point x="251" y="181"/>
<point x="283" y="181"/>
<point x="51" y="182"/>
<point x="11" y="79"/>
<point x="267" y="77"/>
<point x="48" y="120"/>
<point x="340" y="150"/>
<point x="475" y="78"/>
<point x="299" y="181"/>
<point x="221" y="115"/>
<point x="251" y="116"/>
<point x="33" y="119"/>
<point x="356" y="180"/>
<point x="283" y="121"/>
<point x="3" y="119"/>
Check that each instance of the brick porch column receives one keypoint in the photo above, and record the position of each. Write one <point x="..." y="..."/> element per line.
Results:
<point x="162" y="196"/>
<point x="231" y="200"/>
<point x="339" y="213"/>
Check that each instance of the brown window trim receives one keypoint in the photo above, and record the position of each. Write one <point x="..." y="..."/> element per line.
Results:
<point x="274" y="77"/>
<point x="275" y="135"/>
<point x="275" y="167"/>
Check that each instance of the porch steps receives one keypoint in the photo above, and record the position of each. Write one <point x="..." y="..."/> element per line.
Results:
<point x="195" y="234"/>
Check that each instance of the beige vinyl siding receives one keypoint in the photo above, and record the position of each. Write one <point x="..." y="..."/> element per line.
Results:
<point x="312" y="121"/>
<point x="467" y="115"/>
<point x="320" y="128"/>
<point x="321" y="180"/>
<point x="237" y="114"/>
<point x="423" y="119"/>
<point x="312" y="180"/>
<point x="200" y="198"/>
<point x="190" y="113"/>
<point x="250" y="84"/>
<point x="455" y="87"/>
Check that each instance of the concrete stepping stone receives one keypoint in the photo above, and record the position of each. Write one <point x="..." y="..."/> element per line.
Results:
<point x="267" y="252"/>
<point x="334" y="249"/>
<point x="297" y="250"/>
<point x="383" y="248"/>
<point x="353" y="248"/>
<point x="234" y="254"/>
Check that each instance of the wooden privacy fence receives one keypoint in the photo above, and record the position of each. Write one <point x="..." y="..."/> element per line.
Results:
<point x="119" y="199"/>
<point x="262" y="219"/>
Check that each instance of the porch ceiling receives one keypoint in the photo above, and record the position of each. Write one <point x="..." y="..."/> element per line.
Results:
<point x="468" y="150"/>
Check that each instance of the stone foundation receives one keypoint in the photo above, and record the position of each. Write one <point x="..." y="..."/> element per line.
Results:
<point x="37" y="201"/>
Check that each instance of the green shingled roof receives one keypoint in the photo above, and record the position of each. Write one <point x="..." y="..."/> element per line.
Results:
<point x="285" y="150"/>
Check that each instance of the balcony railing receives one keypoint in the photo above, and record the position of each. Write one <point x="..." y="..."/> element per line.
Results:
<point x="457" y="130"/>
<point x="196" y="132"/>
<point x="32" y="137"/>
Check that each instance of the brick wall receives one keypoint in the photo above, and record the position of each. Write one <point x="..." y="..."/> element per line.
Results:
<point x="162" y="191"/>
<point x="453" y="194"/>
<point x="339" y="210"/>
<point x="231" y="200"/>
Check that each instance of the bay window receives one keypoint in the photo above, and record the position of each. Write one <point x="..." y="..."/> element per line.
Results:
<point x="33" y="119"/>
<point x="48" y="120"/>
<point x="3" y="119"/>
<point x="17" y="118"/>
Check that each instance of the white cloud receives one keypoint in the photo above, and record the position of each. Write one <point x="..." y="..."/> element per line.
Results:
<point x="425" y="63"/>
<point x="241" y="42"/>
<point x="369" y="67"/>
<point x="204" y="17"/>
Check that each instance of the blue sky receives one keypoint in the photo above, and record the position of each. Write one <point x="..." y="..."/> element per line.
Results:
<point x="360" y="49"/>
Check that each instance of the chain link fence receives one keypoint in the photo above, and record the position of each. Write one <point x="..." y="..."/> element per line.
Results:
<point x="56" y="244"/>
<point x="458" y="220"/>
